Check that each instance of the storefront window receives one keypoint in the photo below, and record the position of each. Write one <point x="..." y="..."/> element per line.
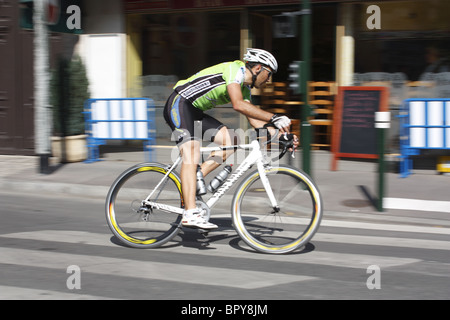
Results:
<point x="175" y="45"/>
<point x="183" y="43"/>
<point x="288" y="49"/>
<point x="413" y="42"/>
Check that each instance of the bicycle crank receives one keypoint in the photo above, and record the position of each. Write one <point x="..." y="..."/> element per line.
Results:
<point x="206" y="211"/>
<point x="275" y="210"/>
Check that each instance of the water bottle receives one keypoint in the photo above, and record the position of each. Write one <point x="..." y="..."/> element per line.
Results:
<point x="219" y="179"/>
<point x="201" y="186"/>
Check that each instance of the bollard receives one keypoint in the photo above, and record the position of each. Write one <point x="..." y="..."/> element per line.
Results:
<point x="382" y="123"/>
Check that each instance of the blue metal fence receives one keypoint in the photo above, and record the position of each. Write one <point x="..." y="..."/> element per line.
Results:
<point x="424" y="124"/>
<point x="119" y="119"/>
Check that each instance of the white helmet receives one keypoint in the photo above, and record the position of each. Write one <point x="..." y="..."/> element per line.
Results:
<point x="263" y="57"/>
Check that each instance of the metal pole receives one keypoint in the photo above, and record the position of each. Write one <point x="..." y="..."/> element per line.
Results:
<point x="42" y="114"/>
<point x="306" y="75"/>
<point x="382" y="123"/>
<point x="381" y="169"/>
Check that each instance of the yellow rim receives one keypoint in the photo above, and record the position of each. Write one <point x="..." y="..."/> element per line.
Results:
<point x="291" y="245"/>
<point x="112" y="214"/>
<point x="123" y="234"/>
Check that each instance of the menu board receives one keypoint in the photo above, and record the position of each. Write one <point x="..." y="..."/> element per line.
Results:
<point x="354" y="133"/>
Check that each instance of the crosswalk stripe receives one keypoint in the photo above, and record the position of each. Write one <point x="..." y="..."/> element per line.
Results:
<point x="65" y="236"/>
<point x="385" y="227"/>
<point x="100" y="239"/>
<point x="216" y="276"/>
<point x="16" y="293"/>
<point x="225" y="250"/>
<point x="383" y="241"/>
<point x="397" y="225"/>
<point x="149" y="270"/>
<point x="347" y="260"/>
<point x="417" y="205"/>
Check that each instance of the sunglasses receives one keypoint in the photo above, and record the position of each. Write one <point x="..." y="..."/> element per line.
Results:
<point x="270" y="72"/>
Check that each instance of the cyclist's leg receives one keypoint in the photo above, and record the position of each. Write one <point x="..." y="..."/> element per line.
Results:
<point x="190" y="151"/>
<point x="192" y="216"/>
<point x="220" y="135"/>
<point x="182" y="116"/>
<point x="183" y="119"/>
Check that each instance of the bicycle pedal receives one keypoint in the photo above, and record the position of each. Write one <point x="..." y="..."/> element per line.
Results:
<point x="204" y="232"/>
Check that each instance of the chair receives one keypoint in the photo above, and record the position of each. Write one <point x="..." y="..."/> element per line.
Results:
<point x="276" y="98"/>
<point x="273" y="97"/>
<point x="321" y="99"/>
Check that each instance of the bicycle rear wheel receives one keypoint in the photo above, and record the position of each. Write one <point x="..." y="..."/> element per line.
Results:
<point x="134" y="223"/>
<point x="297" y="220"/>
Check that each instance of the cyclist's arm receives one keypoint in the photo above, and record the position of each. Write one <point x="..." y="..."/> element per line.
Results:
<point x="246" y="108"/>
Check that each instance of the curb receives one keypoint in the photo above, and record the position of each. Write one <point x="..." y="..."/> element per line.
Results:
<point x="56" y="188"/>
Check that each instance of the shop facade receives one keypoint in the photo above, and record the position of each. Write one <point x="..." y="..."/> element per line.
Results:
<point x="404" y="45"/>
<point x="176" y="38"/>
<point x="171" y="40"/>
<point x="409" y="53"/>
<point x="141" y="48"/>
<point x="180" y="37"/>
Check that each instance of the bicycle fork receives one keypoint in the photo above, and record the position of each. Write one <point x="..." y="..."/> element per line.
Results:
<point x="267" y="186"/>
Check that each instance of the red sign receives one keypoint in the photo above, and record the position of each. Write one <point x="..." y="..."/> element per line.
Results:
<point x="53" y="8"/>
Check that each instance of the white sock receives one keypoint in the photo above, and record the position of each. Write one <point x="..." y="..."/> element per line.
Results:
<point x="190" y="212"/>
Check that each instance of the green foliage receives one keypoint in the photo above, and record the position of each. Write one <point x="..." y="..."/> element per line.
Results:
<point x="69" y="90"/>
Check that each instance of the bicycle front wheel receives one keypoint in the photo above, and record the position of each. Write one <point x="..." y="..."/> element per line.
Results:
<point x="134" y="223"/>
<point x="281" y="230"/>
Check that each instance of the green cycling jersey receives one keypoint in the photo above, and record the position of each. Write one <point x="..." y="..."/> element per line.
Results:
<point x="208" y="88"/>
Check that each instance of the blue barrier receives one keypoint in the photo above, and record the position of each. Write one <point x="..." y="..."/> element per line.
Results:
<point x="424" y="124"/>
<point x="119" y="119"/>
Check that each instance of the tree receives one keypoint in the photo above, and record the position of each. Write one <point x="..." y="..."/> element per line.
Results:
<point x="69" y="91"/>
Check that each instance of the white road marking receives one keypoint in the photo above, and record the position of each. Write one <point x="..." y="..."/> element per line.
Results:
<point x="417" y="205"/>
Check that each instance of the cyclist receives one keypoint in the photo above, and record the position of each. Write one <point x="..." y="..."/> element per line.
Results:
<point x="184" y="113"/>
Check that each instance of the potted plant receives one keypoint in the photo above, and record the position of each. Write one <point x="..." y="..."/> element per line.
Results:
<point x="69" y="91"/>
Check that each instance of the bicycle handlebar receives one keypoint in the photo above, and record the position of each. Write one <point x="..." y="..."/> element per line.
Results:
<point x="286" y="141"/>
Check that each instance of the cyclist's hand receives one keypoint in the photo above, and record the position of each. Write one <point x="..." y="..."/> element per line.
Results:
<point x="296" y="143"/>
<point x="288" y="141"/>
<point x="281" y="122"/>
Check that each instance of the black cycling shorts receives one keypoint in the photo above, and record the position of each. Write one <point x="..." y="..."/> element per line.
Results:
<point x="188" y="122"/>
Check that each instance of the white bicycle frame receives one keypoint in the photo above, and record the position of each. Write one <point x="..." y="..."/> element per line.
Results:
<point x="255" y="156"/>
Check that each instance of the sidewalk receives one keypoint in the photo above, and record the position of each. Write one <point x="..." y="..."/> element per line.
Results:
<point x="340" y="189"/>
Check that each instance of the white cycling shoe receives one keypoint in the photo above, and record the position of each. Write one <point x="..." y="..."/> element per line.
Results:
<point x="194" y="219"/>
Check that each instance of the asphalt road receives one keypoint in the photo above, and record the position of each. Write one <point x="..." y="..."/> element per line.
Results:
<point x="59" y="247"/>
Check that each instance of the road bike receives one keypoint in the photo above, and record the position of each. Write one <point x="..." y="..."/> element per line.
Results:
<point x="276" y="208"/>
